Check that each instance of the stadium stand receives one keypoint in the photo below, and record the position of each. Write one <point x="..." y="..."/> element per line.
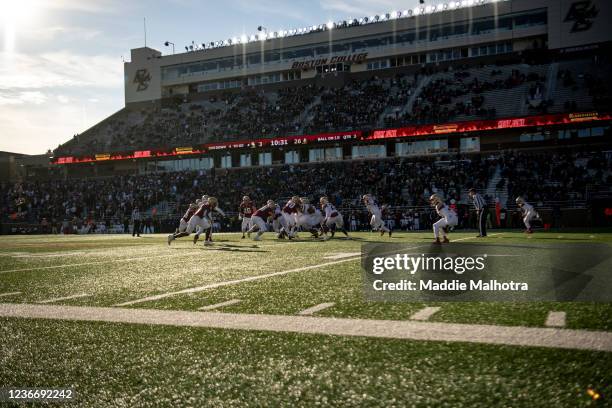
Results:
<point x="424" y="96"/>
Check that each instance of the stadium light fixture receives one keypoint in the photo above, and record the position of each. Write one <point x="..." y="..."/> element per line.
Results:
<point x="395" y="14"/>
<point x="167" y="43"/>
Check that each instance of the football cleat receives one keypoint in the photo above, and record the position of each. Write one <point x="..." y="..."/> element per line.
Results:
<point x="445" y="240"/>
<point x="170" y="239"/>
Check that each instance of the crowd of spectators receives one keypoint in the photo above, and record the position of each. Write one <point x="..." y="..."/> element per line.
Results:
<point x="560" y="176"/>
<point x="461" y="93"/>
<point x="254" y="112"/>
<point x="403" y="184"/>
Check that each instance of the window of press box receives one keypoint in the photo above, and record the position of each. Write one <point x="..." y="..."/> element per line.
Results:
<point x="292" y="157"/>
<point x="265" y="159"/>
<point x="370" y="151"/>
<point x="327" y="154"/>
<point x="226" y="162"/>
<point x="245" y="160"/>
<point x="421" y="147"/>
<point x="469" y="144"/>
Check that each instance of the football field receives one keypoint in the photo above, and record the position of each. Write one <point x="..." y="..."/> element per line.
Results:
<point x="132" y="321"/>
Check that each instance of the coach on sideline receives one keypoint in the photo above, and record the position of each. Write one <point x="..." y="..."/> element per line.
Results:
<point x="136" y="218"/>
<point x="482" y="212"/>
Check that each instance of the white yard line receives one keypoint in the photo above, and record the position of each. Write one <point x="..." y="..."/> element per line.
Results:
<point x="232" y="282"/>
<point x="251" y="278"/>
<point x="424" y="314"/>
<point x="9" y="294"/>
<point x="407" y="330"/>
<point x="312" y="310"/>
<point x="555" y="319"/>
<point x="90" y="263"/>
<point x="340" y="255"/>
<point x="59" y="299"/>
<point x="218" y="305"/>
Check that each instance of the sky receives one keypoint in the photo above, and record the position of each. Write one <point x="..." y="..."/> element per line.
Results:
<point x="61" y="68"/>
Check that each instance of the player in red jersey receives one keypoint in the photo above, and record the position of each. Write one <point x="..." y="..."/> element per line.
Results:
<point x="185" y="220"/>
<point x="245" y="211"/>
<point x="260" y="217"/>
<point x="200" y="220"/>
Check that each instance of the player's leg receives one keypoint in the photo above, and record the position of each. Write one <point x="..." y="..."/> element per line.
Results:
<point x="199" y="230"/>
<point x="438" y="229"/>
<point x="340" y="225"/>
<point x="206" y="226"/>
<point x="259" y="225"/>
<point x="245" y="226"/>
<point x="527" y="221"/>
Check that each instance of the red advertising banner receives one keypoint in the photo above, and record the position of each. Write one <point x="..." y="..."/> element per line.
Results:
<point x="481" y="125"/>
<point x="409" y="131"/>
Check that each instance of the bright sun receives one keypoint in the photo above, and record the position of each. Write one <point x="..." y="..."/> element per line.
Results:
<point x="16" y="15"/>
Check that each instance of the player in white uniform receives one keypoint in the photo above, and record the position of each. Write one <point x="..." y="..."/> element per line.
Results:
<point x="279" y="224"/>
<point x="290" y="212"/>
<point x="448" y="218"/>
<point x="376" y="218"/>
<point x="309" y="217"/>
<point x="333" y="219"/>
<point x="529" y="213"/>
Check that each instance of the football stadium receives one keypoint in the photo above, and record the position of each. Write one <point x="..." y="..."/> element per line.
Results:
<point x="406" y="209"/>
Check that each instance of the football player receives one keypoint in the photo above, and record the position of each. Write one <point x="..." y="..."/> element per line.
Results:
<point x="193" y="207"/>
<point x="200" y="221"/>
<point x="245" y="211"/>
<point x="213" y="206"/>
<point x="528" y="213"/>
<point x="290" y="211"/>
<point x="279" y="224"/>
<point x="333" y="219"/>
<point x="259" y="219"/>
<point x="309" y="217"/>
<point x="376" y="218"/>
<point x="448" y="219"/>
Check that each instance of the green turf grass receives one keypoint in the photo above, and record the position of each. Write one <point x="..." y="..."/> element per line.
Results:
<point x="120" y="365"/>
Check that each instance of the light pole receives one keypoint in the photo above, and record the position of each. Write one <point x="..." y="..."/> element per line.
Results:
<point x="167" y="43"/>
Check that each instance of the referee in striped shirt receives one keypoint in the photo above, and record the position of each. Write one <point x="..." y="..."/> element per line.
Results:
<point x="481" y="211"/>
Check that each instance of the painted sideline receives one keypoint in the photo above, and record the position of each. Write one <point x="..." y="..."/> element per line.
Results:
<point x="392" y="329"/>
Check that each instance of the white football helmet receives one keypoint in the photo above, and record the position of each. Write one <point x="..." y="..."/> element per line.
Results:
<point x="435" y="199"/>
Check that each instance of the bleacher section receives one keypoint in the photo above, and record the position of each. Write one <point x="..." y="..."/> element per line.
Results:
<point x="425" y="96"/>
